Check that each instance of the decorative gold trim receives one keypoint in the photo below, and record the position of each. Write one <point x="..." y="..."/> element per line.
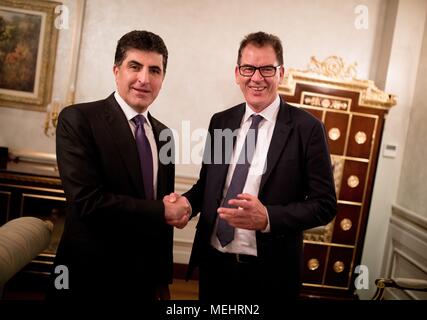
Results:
<point x="333" y="73"/>
<point x="333" y="67"/>
<point x="325" y="101"/>
<point x="329" y="244"/>
<point x="39" y="196"/>
<point x="352" y="203"/>
<point x="28" y="178"/>
<point x="45" y="64"/>
<point x="306" y="284"/>
<point x="31" y="188"/>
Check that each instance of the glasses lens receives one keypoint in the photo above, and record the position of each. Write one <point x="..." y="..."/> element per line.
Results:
<point x="247" y="71"/>
<point x="268" y="71"/>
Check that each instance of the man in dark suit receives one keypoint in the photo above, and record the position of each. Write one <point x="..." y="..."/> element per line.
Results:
<point x="287" y="186"/>
<point x="118" y="237"/>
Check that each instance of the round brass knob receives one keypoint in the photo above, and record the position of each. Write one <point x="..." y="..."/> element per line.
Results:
<point x="334" y="134"/>
<point x="353" y="181"/>
<point x="339" y="266"/>
<point x="360" y="137"/>
<point x="313" y="264"/>
<point x="346" y="224"/>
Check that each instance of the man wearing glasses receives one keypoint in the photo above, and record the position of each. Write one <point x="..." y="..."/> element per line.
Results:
<point x="256" y="202"/>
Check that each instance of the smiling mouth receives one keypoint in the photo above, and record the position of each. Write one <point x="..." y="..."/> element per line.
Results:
<point x="141" y="90"/>
<point x="257" y="88"/>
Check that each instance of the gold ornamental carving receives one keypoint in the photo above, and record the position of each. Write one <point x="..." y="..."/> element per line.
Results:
<point x="339" y="266"/>
<point x="325" y="101"/>
<point x="335" y="73"/>
<point x="332" y="66"/>
<point x="313" y="264"/>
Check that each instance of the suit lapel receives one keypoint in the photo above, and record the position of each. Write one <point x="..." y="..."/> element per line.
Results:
<point x="232" y="123"/>
<point x="280" y="136"/>
<point x="125" y="142"/>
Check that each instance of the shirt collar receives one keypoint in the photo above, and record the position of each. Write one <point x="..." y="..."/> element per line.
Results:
<point x="269" y="113"/>
<point x="129" y="112"/>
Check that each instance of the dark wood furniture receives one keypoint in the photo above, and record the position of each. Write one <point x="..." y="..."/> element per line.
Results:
<point x="353" y="112"/>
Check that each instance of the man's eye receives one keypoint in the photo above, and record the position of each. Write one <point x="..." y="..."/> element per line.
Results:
<point x="134" y="67"/>
<point x="267" y="69"/>
<point x="155" y="71"/>
<point x="248" y="69"/>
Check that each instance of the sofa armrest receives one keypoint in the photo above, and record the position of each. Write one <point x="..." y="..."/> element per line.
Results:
<point x="21" y="240"/>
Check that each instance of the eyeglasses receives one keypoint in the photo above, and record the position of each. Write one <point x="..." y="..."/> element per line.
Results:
<point x="266" y="71"/>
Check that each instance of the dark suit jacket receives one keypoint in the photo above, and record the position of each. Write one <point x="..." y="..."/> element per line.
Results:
<point x="113" y="238"/>
<point x="297" y="190"/>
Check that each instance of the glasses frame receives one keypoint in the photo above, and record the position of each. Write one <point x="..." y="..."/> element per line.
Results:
<point x="257" y="68"/>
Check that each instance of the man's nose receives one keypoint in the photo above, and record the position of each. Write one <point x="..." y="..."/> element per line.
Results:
<point x="257" y="76"/>
<point x="143" y="75"/>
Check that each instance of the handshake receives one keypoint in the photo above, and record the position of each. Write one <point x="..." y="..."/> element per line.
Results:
<point x="177" y="210"/>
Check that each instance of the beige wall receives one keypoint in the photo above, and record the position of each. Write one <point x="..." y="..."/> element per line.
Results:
<point x="412" y="192"/>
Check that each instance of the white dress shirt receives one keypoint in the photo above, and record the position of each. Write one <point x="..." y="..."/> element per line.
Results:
<point x="130" y="113"/>
<point x="245" y="240"/>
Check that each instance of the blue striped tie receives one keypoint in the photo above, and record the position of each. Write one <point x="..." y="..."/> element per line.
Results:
<point x="225" y="232"/>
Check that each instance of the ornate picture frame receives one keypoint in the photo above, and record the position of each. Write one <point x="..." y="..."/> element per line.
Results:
<point x="28" y="42"/>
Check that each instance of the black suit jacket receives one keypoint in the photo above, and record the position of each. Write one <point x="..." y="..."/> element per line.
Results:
<point x="113" y="238"/>
<point x="297" y="190"/>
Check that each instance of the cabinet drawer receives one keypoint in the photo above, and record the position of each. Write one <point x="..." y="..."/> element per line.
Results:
<point x="339" y="267"/>
<point x="336" y="129"/>
<point x="361" y="136"/>
<point x="346" y="224"/>
<point x="353" y="181"/>
<point x="314" y="263"/>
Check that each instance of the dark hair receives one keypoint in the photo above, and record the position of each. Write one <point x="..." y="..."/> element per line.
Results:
<point x="141" y="40"/>
<point x="262" y="39"/>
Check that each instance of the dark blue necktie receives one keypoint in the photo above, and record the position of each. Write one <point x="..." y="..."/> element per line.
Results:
<point x="225" y="232"/>
<point x="145" y="155"/>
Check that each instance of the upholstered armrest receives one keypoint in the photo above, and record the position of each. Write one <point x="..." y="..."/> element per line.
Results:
<point x="21" y="240"/>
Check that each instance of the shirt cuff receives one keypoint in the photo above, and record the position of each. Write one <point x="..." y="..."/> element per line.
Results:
<point x="267" y="228"/>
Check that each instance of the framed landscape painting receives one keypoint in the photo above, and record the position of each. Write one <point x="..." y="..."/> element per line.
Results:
<point x="28" y="40"/>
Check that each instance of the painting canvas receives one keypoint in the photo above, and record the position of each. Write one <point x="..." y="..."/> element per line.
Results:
<point x="28" y="41"/>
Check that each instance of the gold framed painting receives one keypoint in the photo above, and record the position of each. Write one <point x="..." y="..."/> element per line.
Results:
<point x="28" y="41"/>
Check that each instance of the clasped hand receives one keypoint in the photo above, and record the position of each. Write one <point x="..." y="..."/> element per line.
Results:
<point x="248" y="213"/>
<point x="177" y="210"/>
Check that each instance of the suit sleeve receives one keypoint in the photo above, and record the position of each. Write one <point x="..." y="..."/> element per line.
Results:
<point x="196" y="193"/>
<point x="319" y="205"/>
<point x="81" y="175"/>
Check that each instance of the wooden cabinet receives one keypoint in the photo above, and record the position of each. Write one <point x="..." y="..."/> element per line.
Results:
<point x="33" y="190"/>
<point x="353" y="112"/>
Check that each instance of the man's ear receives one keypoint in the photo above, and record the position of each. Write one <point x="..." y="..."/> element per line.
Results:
<point x="282" y="73"/>
<point x="236" y="74"/>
